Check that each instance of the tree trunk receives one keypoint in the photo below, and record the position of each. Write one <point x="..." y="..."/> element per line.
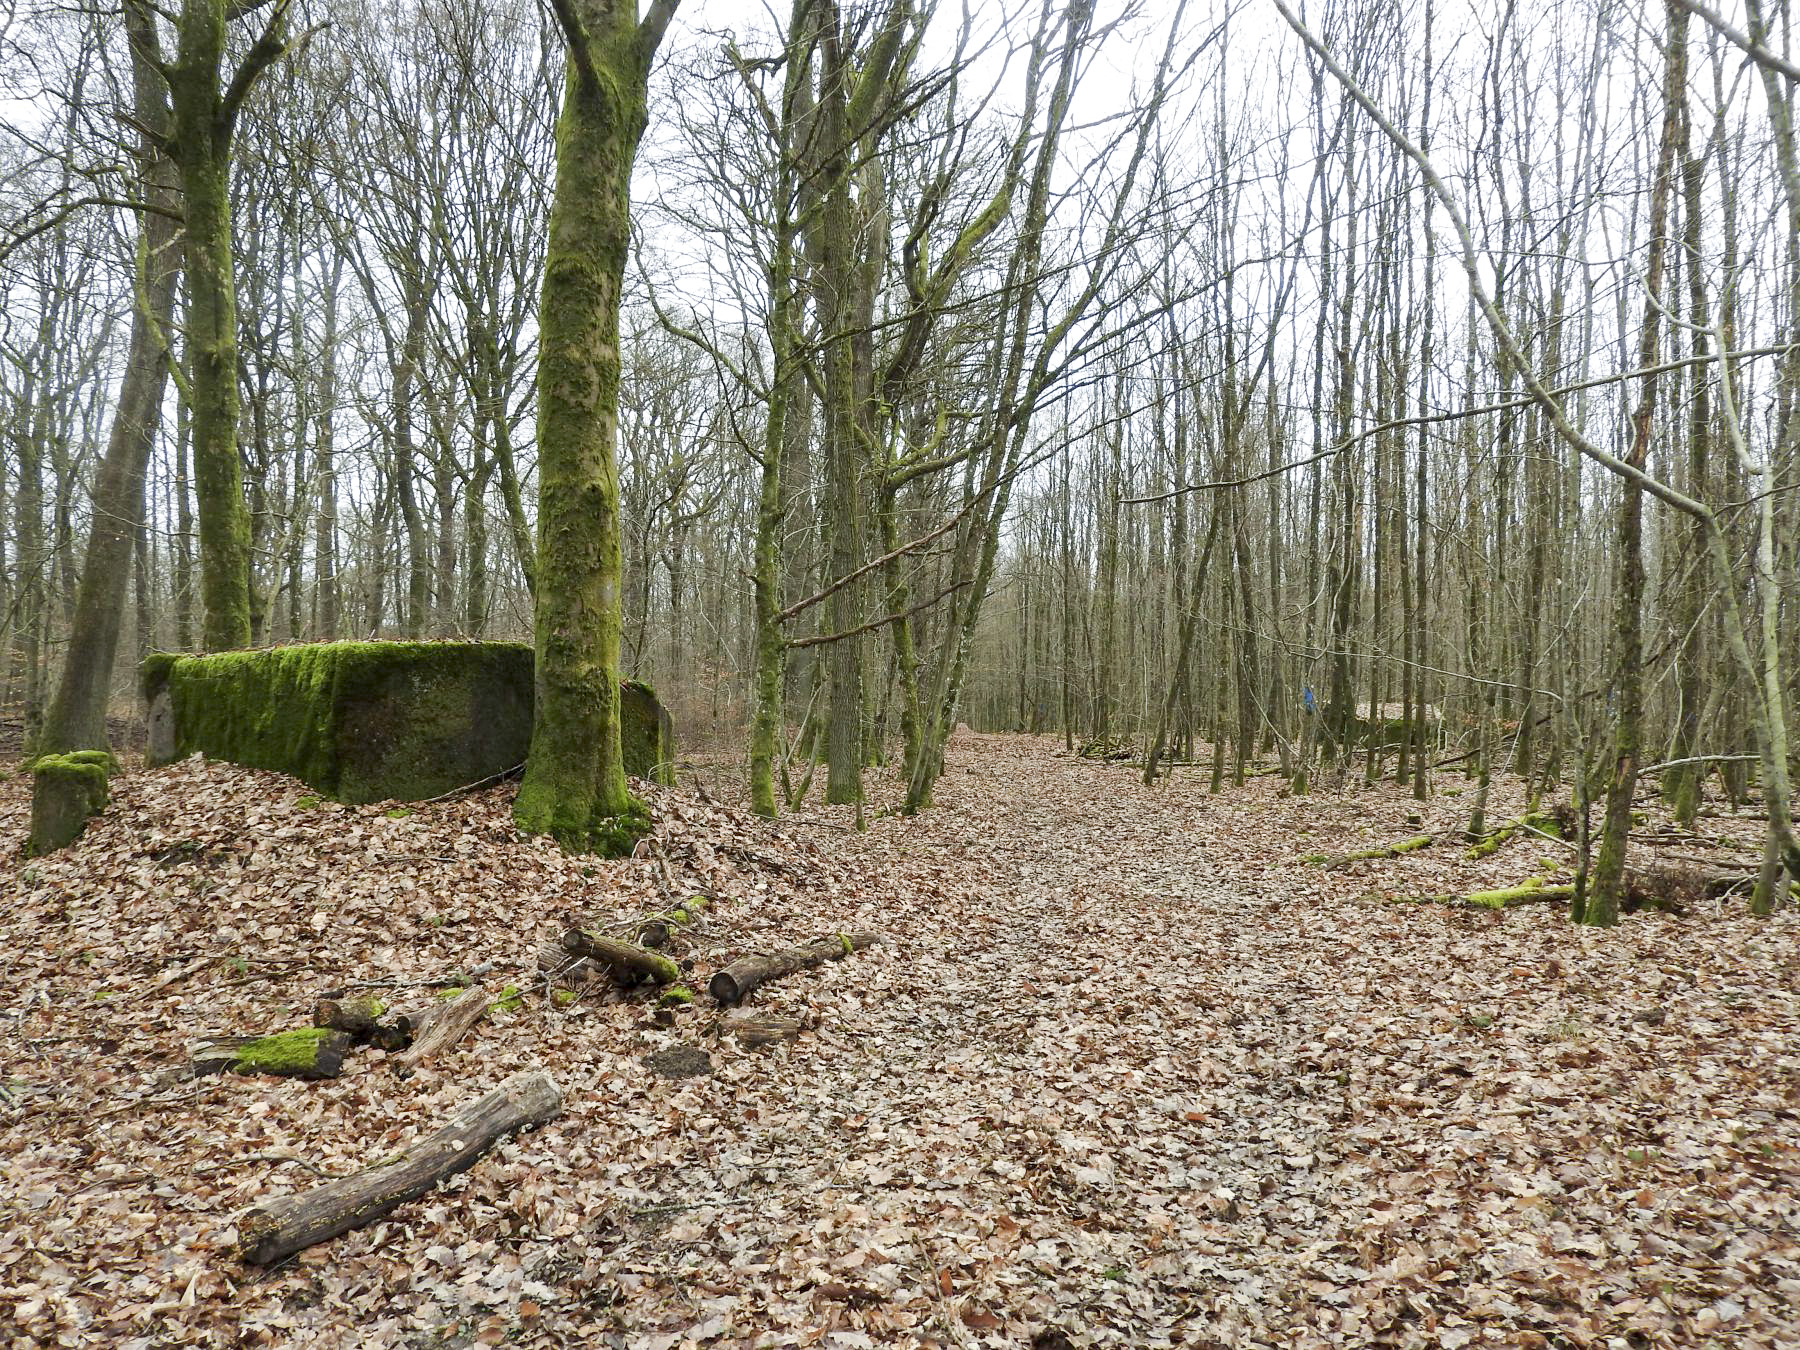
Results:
<point x="1606" y="890"/>
<point x="200" y="145"/>
<point x="574" y="787"/>
<point x="77" y="716"/>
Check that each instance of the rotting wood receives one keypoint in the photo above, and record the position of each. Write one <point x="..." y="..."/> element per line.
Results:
<point x="370" y="1021"/>
<point x="655" y="930"/>
<point x="756" y="1032"/>
<point x="444" y="1028"/>
<point x="356" y="1014"/>
<point x="1412" y="845"/>
<point x="628" y="963"/>
<point x="305" y="1052"/>
<point x="275" y="1229"/>
<point x="730" y="985"/>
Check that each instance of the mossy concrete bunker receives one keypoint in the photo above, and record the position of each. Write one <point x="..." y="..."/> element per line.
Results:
<point x="373" y="721"/>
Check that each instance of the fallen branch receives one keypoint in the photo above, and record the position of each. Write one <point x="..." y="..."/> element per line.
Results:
<point x="733" y="983"/>
<point x="275" y="1229"/>
<point x="1535" y="891"/>
<point x="628" y="963"/>
<point x="1536" y="823"/>
<point x="1413" y="845"/>
<point x="479" y="783"/>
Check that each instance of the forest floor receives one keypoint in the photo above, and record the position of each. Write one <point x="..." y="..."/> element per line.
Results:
<point x="1127" y="1071"/>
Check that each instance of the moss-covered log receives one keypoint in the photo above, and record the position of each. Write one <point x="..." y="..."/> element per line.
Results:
<point x="373" y="721"/>
<point x="629" y="963"/>
<point x="734" y="983"/>
<point x="66" y="792"/>
<point x="1535" y="823"/>
<point x="305" y="1052"/>
<point x="1532" y="891"/>
<point x="1412" y="845"/>
<point x="276" y="1229"/>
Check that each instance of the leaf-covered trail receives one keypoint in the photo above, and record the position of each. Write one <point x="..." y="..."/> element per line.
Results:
<point x="1126" y="1072"/>
<point x="1267" y="1113"/>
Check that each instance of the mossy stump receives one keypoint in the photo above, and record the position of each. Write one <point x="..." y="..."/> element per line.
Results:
<point x="66" y="792"/>
<point x="373" y="721"/>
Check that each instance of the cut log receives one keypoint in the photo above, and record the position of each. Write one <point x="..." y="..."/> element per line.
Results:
<point x="755" y="1032"/>
<point x="656" y="929"/>
<point x="276" y="1229"/>
<point x="444" y="1028"/>
<point x="628" y="963"/>
<point x="356" y="1014"/>
<point x="733" y="983"/>
<point x="306" y="1052"/>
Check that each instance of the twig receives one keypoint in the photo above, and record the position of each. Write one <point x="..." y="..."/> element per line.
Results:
<point x="491" y="779"/>
<point x="282" y="974"/>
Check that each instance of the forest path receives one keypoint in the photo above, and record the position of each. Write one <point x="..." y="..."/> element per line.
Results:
<point x="1126" y="1071"/>
<point x="1230" y="1098"/>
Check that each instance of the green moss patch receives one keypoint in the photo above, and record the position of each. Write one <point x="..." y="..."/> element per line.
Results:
<point x="373" y="721"/>
<point x="306" y="1052"/>
<point x="66" y="792"/>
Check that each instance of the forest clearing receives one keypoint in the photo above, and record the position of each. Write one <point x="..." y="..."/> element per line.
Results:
<point x="1126" y="1070"/>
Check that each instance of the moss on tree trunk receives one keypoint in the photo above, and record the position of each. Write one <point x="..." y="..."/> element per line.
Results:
<point x="574" y="788"/>
<point x="201" y="148"/>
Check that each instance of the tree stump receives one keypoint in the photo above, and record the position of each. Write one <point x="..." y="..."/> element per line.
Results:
<point x="66" y="792"/>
